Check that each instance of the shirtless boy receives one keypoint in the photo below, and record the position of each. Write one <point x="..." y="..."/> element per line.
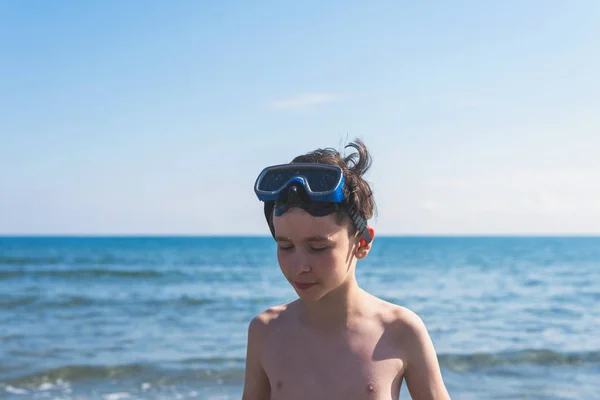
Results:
<point x="336" y="341"/>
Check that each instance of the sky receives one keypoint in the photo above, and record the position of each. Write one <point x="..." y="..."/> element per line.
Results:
<point x="154" y="117"/>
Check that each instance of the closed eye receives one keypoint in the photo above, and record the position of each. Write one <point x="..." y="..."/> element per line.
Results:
<point x="318" y="248"/>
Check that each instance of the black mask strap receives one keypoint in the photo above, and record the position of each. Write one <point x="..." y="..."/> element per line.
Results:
<point x="296" y="197"/>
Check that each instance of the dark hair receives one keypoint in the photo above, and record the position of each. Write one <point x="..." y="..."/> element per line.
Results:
<point x="357" y="191"/>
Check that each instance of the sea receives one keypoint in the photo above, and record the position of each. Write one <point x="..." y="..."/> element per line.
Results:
<point x="116" y="318"/>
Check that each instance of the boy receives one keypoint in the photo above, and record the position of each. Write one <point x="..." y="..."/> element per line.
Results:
<point x="335" y="341"/>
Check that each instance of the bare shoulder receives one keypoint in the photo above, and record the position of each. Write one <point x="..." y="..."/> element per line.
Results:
<point x="408" y="328"/>
<point x="271" y="314"/>
<point x="263" y="323"/>
<point x="407" y="322"/>
<point x="256" y="381"/>
<point x="422" y="371"/>
<point x="401" y="320"/>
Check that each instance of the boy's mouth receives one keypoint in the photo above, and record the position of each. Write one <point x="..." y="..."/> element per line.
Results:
<point x="303" y="286"/>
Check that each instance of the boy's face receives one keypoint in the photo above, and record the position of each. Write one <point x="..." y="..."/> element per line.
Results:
<point x="315" y="254"/>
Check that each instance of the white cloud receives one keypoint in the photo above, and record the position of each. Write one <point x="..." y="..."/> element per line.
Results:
<point x="513" y="201"/>
<point x="304" y="101"/>
<point x="429" y="206"/>
<point x="523" y="192"/>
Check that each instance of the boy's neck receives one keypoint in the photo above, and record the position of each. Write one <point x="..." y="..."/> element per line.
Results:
<point x="337" y="308"/>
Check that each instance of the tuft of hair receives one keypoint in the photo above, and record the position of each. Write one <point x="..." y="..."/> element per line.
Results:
<point x="358" y="192"/>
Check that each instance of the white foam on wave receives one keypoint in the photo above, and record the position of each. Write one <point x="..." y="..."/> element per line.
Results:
<point x="117" y="396"/>
<point x="14" y="390"/>
<point x="46" y="386"/>
<point x="60" y="385"/>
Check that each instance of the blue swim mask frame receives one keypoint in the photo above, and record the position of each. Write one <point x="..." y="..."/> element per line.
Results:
<point x="317" y="188"/>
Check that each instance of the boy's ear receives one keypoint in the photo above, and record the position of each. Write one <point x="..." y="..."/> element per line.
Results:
<point x="363" y="246"/>
<point x="363" y="243"/>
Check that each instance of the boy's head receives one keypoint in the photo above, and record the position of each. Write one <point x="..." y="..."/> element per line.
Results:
<point x="318" y="240"/>
<point x="357" y="191"/>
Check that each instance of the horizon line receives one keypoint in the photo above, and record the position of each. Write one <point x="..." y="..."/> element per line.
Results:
<point x="251" y="235"/>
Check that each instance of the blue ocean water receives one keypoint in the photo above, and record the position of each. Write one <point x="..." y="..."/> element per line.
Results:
<point x="165" y="318"/>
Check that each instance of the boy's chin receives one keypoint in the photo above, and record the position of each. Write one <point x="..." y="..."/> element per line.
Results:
<point x="310" y="295"/>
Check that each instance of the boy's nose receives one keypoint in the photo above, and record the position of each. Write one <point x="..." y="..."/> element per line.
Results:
<point x="301" y="264"/>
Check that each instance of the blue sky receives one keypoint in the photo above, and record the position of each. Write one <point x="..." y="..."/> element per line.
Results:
<point x="153" y="117"/>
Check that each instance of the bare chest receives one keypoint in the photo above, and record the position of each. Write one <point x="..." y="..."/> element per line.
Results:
<point x="360" y="366"/>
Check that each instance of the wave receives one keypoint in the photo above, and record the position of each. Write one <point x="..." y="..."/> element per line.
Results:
<point x="194" y="301"/>
<point x="83" y="273"/>
<point x="25" y="260"/>
<point x="539" y="357"/>
<point x="62" y="301"/>
<point x="106" y="259"/>
<point x="224" y="261"/>
<point x="74" y="301"/>
<point x="212" y="360"/>
<point x="59" y="302"/>
<point x="11" y="302"/>
<point x="136" y="372"/>
<point x="232" y="368"/>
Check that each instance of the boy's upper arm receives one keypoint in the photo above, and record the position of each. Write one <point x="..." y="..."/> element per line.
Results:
<point x="422" y="370"/>
<point x="256" y="382"/>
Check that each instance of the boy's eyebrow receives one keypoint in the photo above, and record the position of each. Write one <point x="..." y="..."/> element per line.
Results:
<point x="315" y="238"/>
